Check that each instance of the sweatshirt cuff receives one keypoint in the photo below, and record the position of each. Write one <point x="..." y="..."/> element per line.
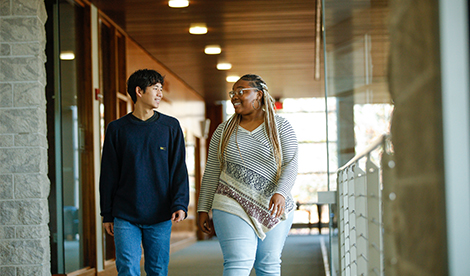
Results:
<point x="108" y="218"/>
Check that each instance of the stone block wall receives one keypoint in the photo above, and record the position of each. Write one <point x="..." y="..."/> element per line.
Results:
<point x="24" y="185"/>
<point x="415" y="228"/>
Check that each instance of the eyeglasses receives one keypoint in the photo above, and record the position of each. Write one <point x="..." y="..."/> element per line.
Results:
<point x="239" y="92"/>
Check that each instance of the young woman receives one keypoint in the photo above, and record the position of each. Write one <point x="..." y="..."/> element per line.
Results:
<point x="250" y="171"/>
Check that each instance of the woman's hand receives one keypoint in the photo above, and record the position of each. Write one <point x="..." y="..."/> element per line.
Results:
<point x="277" y="205"/>
<point x="205" y="224"/>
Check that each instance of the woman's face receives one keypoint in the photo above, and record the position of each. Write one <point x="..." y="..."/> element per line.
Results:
<point x="245" y="97"/>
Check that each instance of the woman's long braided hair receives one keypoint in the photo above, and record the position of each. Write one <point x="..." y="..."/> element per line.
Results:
<point x="267" y="103"/>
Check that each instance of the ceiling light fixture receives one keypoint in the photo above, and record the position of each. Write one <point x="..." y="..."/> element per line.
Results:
<point x="178" y="3"/>
<point x="212" y="50"/>
<point x="232" y="78"/>
<point x="67" y="55"/>
<point x="224" y="66"/>
<point x="198" y="28"/>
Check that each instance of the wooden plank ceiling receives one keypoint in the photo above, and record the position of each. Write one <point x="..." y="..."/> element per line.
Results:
<point x="274" y="39"/>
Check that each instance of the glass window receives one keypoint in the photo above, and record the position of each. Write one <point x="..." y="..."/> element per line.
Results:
<point x="66" y="134"/>
<point x="359" y="106"/>
<point x="71" y="134"/>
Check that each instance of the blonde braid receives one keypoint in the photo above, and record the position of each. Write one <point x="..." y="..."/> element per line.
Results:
<point x="271" y="128"/>
<point x="230" y="127"/>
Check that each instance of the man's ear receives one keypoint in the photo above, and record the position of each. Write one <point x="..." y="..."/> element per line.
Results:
<point x="138" y="91"/>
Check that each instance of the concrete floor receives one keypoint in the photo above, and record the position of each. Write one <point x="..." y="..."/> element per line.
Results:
<point x="302" y="256"/>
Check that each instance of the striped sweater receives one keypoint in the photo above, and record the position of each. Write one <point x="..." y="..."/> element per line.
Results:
<point x="246" y="184"/>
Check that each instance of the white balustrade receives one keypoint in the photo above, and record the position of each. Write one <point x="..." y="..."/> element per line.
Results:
<point x="359" y="202"/>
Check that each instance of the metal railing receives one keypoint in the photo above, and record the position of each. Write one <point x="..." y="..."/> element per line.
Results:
<point x="359" y="203"/>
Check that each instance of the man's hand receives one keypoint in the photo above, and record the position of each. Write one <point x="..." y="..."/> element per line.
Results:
<point x="205" y="223"/>
<point x="178" y="216"/>
<point x="277" y="205"/>
<point x="109" y="227"/>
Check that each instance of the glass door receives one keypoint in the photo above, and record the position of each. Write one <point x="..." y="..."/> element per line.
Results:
<point x="114" y="101"/>
<point x="70" y="136"/>
<point x="359" y="106"/>
<point x="66" y="136"/>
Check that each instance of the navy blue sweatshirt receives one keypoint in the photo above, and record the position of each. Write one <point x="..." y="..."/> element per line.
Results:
<point x="143" y="171"/>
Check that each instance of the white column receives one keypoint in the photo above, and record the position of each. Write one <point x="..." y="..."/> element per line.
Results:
<point x="456" y="125"/>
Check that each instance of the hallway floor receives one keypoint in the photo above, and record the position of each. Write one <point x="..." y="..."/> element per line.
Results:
<point x="302" y="256"/>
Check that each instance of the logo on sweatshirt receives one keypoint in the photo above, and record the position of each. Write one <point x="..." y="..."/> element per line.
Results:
<point x="162" y="148"/>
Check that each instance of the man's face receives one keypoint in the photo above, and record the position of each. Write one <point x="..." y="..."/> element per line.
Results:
<point x="153" y="95"/>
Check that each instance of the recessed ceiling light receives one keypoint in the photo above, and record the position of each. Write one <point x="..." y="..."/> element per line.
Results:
<point x="198" y="28"/>
<point x="224" y="66"/>
<point x="232" y="78"/>
<point x="178" y="3"/>
<point x="67" y="55"/>
<point x="212" y="50"/>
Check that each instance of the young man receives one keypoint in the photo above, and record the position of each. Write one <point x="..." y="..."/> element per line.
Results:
<point x="144" y="180"/>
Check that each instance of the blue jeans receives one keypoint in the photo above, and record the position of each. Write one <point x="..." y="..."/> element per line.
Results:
<point x="154" y="238"/>
<point x="242" y="249"/>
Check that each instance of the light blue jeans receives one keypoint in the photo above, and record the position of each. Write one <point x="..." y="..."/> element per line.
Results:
<point x="154" y="238"/>
<point x="242" y="249"/>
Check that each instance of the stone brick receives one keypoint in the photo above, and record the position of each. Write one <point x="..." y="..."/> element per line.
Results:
<point x="24" y="234"/>
<point x="423" y="197"/>
<point x="29" y="94"/>
<point x="29" y="120"/>
<point x="21" y="29"/>
<point x="25" y="7"/>
<point x="6" y="95"/>
<point x="421" y="132"/>
<point x="5" y="9"/>
<point x="36" y="270"/>
<point x="419" y="18"/>
<point x="42" y="14"/>
<point x="21" y="69"/>
<point x="6" y="186"/>
<point x="31" y="186"/>
<point x="23" y="252"/>
<point x="419" y="239"/>
<point x="28" y="8"/>
<point x="27" y="49"/>
<point x="8" y="271"/>
<point x="22" y="160"/>
<point x="7" y="232"/>
<point x="5" y="49"/>
<point x="31" y="212"/>
<point x="32" y="232"/>
<point x="28" y="139"/>
<point x="6" y="140"/>
<point x="42" y="119"/>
